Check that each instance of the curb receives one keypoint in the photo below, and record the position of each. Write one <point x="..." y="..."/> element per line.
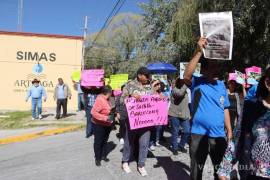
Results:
<point x="48" y="132"/>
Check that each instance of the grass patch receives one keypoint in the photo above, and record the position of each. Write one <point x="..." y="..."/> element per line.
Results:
<point x="14" y="120"/>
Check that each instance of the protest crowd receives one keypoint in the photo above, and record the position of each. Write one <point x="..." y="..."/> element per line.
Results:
<point x="229" y="120"/>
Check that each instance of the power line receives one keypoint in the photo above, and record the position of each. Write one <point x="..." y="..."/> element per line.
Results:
<point x="109" y="18"/>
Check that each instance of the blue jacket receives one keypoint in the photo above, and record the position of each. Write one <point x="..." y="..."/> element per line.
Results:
<point x="36" y="92"/>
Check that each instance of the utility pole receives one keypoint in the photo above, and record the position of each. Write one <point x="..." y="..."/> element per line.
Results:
<point x="20" y="15"/>
<point x="85" y="29"/>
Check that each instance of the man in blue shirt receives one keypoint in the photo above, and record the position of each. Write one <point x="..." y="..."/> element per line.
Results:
<point x="210" y="114"/>
<point x="36" y="92"/>
<point x="61" y="95"/>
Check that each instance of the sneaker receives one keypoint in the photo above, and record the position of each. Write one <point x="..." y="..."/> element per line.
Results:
<point x="40" y="116"/>
<point x="33" y="118"/>
<point x="175" y="152"/>
<point x="121" y="141"/>
<point x="152" y="148"/>
<point x="98" y="163"/>
<point x="126" y="168"/>
<point x="182" y="149"/>
<point x="157" y="144"/>
<point x="105" y="159"/>
<point x="142" y="171"/>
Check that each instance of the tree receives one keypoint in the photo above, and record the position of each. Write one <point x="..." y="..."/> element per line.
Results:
<point x="157" y="18"/>
<point x="115" y="45"/>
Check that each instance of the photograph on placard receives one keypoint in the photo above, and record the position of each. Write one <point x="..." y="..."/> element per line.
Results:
<point x="183" y="66"/>
<point x="218" y="29"/>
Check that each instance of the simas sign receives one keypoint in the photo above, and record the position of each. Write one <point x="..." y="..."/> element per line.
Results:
<point x="36" y="56"/>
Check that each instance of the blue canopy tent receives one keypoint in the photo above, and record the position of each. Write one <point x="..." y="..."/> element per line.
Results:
<point x="161" y="68"/>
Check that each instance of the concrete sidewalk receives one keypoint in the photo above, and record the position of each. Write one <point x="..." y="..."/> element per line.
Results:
<point x="48" y="125"/>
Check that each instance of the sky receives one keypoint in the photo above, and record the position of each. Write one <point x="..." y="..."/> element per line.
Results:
<point x="64" y="17"/>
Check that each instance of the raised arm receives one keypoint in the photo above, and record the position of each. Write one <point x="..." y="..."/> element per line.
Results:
<point x="194" y="61"/>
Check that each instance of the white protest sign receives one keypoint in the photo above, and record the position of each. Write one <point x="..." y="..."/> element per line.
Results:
<point x="218" y="29"/>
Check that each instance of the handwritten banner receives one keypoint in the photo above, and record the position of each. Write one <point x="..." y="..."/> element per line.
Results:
<point x="117" y="80"/>
<point x="150" y="110"/>
<point x="92" y="77"/>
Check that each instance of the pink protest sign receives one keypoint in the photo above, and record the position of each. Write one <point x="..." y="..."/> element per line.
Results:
<point x="149" y="110"/>
<point x="232" y="76"/>
<point x="117" y="92"/>
<point x="92" y="77"/>
<point x="253" y="69"/>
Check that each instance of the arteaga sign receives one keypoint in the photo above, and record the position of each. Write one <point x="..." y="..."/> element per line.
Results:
<point x="35" y="56"/>
<point x="22" y="85"/>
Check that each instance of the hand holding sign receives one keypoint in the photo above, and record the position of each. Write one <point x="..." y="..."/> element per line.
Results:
<point x="202" y="44"/>
<point x="253" y="74"/>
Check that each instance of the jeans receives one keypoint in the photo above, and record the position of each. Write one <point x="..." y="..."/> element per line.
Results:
<point x="156" y="134"/>
<point x="36" y="106"/>
<point x="61" y="103"/>
<point x="201" y="146"/>
<point x="101" y="134"/>
<point x="122" y="129"/>
<point x="143" y="136"/>
<point x="175" y="127"/>
<point x="89" y="123"/>
<point x="81" y="102"/>
<point x="159" y="132"/>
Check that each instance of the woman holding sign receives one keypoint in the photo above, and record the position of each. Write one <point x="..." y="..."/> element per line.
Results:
<point x="102" y="123"/>
<point x="136" y="88"/>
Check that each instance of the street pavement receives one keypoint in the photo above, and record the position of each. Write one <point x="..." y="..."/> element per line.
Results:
<point x="70" y="156"/>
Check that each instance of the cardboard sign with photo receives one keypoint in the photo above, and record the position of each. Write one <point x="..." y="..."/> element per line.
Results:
<point x="253" y="75"/>
<point x="240" y="77"/>
<point x="217" y="27"/>
<point x="183" y="66"/>
<point x="161" y="77"/>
